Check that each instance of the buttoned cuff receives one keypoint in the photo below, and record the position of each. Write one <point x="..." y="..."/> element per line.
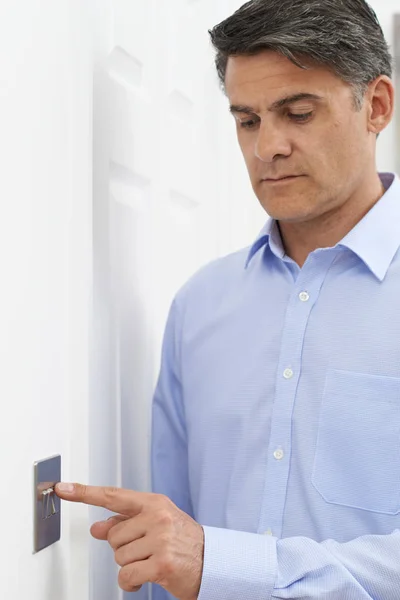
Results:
<point x="237" y="565"/>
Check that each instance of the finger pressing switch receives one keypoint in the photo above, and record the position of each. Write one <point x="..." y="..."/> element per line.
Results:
<point x="47" y="505"/>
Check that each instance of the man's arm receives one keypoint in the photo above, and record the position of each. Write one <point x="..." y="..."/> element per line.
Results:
<point x="169" y="463"/>
<point x="241" y="565"/>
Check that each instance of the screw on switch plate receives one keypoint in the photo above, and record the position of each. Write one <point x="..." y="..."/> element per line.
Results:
<point x="47" y="505"/>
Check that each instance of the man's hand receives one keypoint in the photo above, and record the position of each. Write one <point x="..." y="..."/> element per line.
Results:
<point x="153" y="540"/>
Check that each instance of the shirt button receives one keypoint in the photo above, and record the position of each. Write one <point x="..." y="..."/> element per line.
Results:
<point x="304" y="296"/>
<point x="288" y="373"/>
<point x="278" y="454"/>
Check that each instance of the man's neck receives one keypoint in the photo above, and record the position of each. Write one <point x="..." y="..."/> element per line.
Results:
<point x="300" y="239"/>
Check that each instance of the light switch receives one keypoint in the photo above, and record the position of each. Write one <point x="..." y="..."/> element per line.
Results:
<point x="47" y="505"/>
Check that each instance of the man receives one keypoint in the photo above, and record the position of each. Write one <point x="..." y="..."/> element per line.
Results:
<point x="276" y="419"/>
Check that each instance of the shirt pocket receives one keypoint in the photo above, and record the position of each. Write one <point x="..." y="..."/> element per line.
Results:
<point x="357" y="458"/>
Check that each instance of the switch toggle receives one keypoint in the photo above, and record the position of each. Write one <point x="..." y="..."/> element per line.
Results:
<point x="47" y="505"/>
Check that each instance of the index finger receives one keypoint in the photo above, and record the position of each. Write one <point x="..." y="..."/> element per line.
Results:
<point x="119" y="500"/>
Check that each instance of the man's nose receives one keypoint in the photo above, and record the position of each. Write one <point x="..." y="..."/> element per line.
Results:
<point x="271" y="143"/>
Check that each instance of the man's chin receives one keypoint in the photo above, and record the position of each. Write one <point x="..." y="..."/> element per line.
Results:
<point x="282" y="211"/>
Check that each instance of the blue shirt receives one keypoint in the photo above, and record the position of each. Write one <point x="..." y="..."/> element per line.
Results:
<point x="276" y="418"/>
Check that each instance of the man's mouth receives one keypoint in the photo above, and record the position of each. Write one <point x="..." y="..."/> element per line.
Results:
<point x="285" y="179"/>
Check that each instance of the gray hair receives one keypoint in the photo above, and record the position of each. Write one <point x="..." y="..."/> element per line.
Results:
<point x="343" y="35"/>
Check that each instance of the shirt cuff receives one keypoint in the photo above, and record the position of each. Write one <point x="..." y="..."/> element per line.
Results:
<point x="238" y="565"/>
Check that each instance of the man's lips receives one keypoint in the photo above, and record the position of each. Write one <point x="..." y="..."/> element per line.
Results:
<point x="281" y="179"/>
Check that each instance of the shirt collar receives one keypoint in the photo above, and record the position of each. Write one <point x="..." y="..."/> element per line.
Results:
<point x="375" y="239"/>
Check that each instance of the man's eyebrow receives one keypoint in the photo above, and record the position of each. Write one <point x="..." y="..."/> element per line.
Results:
<point x="239" y="108"/>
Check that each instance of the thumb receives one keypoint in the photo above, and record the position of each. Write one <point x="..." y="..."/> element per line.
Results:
<point x="100" y="529"/>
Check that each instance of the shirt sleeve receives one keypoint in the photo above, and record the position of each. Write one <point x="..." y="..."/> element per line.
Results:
<point x="252" y="566"/>
<point x="169" y="462"/>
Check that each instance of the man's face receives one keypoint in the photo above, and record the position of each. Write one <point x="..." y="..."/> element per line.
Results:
<point x="320" y="139"/>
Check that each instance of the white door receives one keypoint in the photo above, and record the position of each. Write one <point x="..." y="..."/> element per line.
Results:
<point x="164" y="204"/>
<point x="45" y="266"/>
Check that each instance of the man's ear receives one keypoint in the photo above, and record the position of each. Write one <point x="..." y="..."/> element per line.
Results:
<point x="380" y="98"/>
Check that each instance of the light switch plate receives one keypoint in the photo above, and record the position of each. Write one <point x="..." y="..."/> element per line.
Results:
<point x="47" y="505"/>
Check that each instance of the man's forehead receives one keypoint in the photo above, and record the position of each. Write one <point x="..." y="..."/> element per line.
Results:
<point x="268" y="76"/>
<point x="263" y="66"/>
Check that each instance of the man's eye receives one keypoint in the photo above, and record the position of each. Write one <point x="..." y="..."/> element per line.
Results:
<point x="248" y="124"/>
<point x="300" y="118"/>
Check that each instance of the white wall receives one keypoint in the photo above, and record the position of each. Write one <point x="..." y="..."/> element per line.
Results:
<point x="45" y="239"/>
<point x="388" y="144"/>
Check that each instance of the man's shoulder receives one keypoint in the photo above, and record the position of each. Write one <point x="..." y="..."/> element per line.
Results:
<point x="216" y="277"/>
